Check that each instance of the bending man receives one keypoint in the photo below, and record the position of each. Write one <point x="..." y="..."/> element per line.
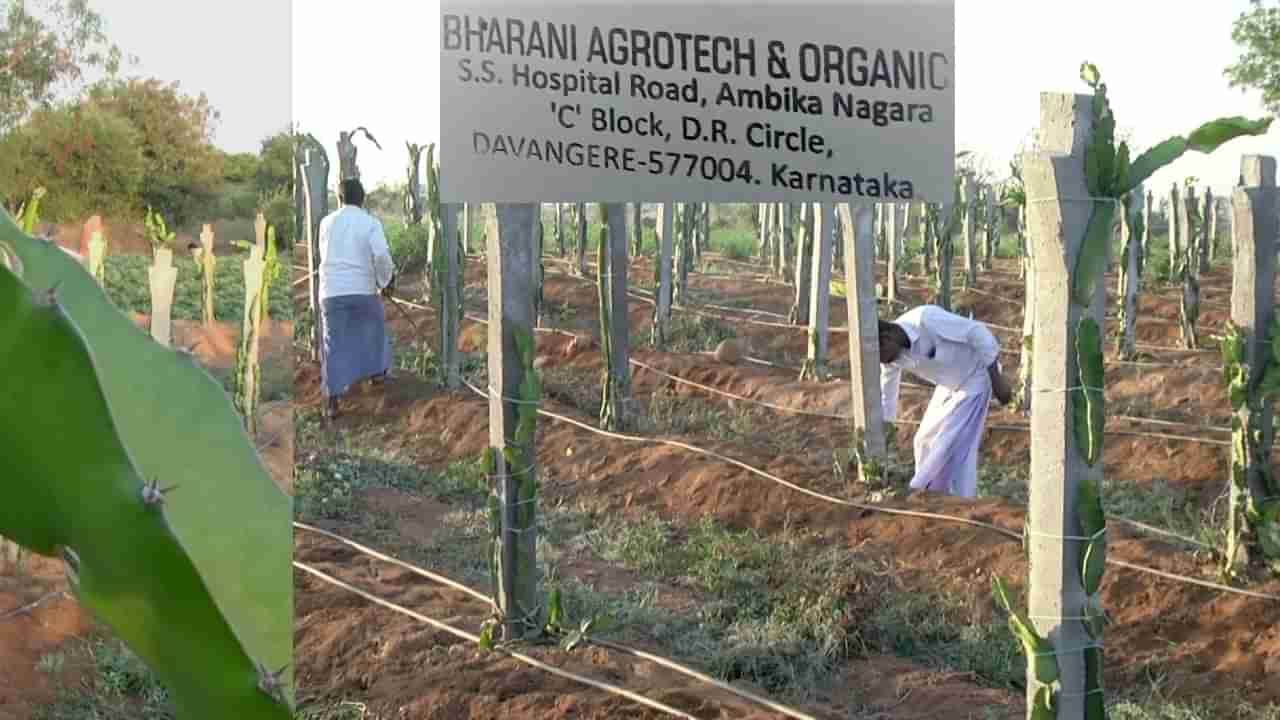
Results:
<point x="355" y="266"/>
<point x="961" y="358"/>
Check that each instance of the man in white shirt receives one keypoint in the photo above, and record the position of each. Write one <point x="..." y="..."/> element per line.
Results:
<point x="355" y="267"/>
<point x="961" y="358"/>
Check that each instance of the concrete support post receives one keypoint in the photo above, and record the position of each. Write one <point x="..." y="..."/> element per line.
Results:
<point x="1058" y="213"/>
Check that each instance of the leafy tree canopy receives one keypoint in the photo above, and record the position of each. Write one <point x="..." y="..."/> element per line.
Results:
<point x="275" y="166"/>
<point x="239" y="167"/>
<point x="89" y="160"/>
<point x="46" y="45"/>
<point x="183" y="168"/>
<point x="1257" y="33"/>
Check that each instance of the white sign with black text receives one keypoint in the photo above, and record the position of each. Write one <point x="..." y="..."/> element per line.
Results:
<point x="697" y="102"/>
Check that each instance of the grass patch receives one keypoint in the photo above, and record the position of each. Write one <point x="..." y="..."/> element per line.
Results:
<point x="1159" y="504"/>
<point x="119" y="687"/>
<point x="128" y="287"/>
<point x="1228" y="707"/>
<point x="695" y="333"/>
<point x="576" y="387"/>
<point x="734" y="243"/>
<point x="780" y="612"/>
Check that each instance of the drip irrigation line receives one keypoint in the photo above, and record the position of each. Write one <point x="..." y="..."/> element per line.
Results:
<point x="394" y="561"/>
<point x="717" y="391"/>
<point x="1160" y="531"/>
<point x="657" y="659"/>
<point x="861" y="506"/>
<point x="445" y="627"/>
<point x="1193" y="581"/>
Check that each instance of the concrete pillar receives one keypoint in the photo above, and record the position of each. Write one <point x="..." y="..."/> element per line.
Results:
<point x="1177" y="222"/>
<point x="820" y="292"/>
<point x="163" y="277"/>
<point x="1255" y="225"/>
<point x="511" y="259"/>
<point x="665" y="226"/>
<point x="1057" y="231"/>
<point x="892" y="245"/>
<point x="864" y="334"/>
<point x="580" y="214"/>
<point x="968" y="195"/>
<point x="804" y="267"/>
<point x="615" y="411"/>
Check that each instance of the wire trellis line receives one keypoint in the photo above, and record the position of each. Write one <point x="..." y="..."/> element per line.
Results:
<point x="475" y="639"/>
<point x="657" y="659"/>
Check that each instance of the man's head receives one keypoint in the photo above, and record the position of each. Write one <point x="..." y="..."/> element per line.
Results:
<point x="893" y="340"/>
<point x="351" y="192"/>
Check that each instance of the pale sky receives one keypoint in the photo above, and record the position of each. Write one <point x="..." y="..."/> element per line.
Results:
<point x="376" y="63"/>
<point x="237" y="52"/>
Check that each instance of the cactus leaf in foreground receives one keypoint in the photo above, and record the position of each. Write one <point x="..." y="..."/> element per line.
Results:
<point x="220" y="571"/>
<point x="90" y="497"/>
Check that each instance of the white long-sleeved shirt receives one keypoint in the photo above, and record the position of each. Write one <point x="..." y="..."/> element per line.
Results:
<point x="946" y="349"/>
<point x="354" y="257"/>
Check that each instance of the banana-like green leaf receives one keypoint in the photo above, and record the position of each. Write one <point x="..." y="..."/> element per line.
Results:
<point x="73" y="483"/>
<point x="179" y="428"/>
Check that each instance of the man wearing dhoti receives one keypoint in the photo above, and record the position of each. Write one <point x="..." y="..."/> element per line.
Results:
<point x="355" y="266"/>
<point x="961" y="358"/>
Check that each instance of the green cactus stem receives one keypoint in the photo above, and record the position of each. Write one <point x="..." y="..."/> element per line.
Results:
<point x="157" y="231"/>
<point x="1038" y="650"/>
<point x="29" y="213"/>
<point x="148" y="485"/>
<point x="98" y="257"/>
<point x="520" y="462"/>
<point x="1088" y="403"/>
<point x="1256" y="522"/>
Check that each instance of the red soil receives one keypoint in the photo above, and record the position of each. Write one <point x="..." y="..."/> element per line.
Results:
<point x="1204" y="641"/>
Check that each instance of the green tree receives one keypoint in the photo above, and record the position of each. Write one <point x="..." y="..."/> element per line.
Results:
<point x="45" y="45"/>
<point x="184" y="171"/>
<point x="239" y="168"/>
<point x="1257" y="33"/>
<point x="89" y="159"/>
<point x="275" y="163"/>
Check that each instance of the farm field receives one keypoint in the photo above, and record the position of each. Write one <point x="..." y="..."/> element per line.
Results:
<point x="838" y="611"/>
<point x="61" y="663"/>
